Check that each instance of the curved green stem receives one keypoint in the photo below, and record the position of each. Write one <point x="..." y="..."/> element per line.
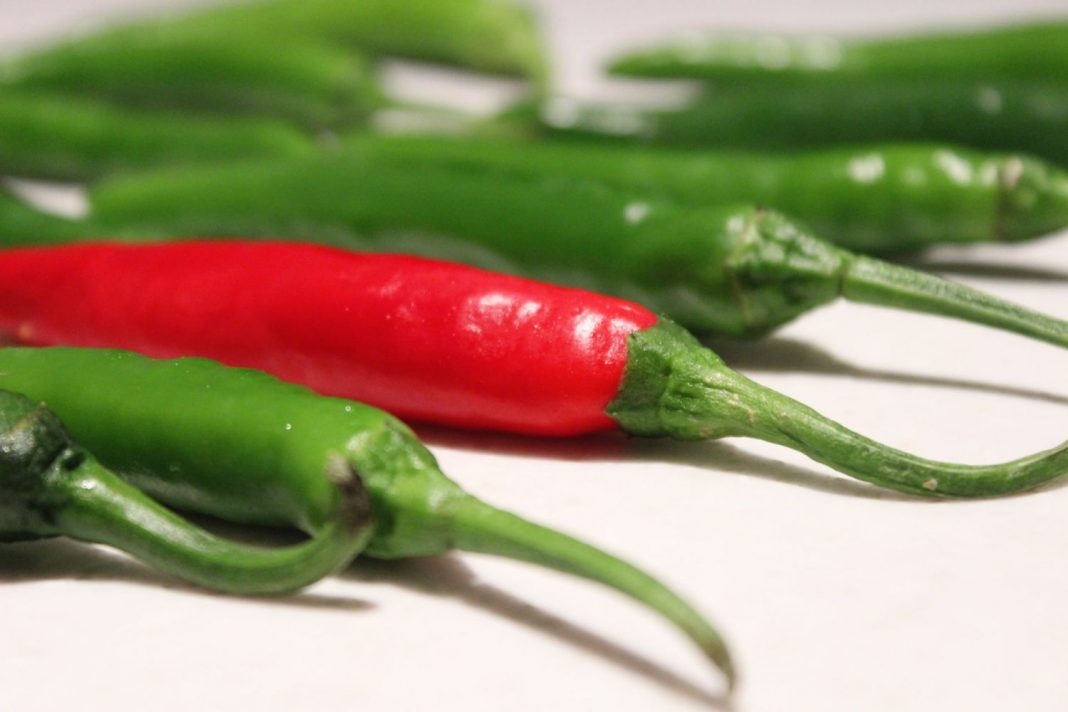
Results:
<point x="676" y="387"/>
<point x="478" y="527"/>
<point x="101" y="508"/>
<point x="874" y="282"/>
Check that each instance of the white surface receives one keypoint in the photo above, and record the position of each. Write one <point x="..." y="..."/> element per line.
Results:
<point x="834" y="596"/>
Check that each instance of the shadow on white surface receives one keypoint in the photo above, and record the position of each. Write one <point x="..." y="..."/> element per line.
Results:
<point x="785" y="355"/>
<point x="716" y="457"/>
<point x="986" y="270"/>
<point x="447" y="576"/>
<point x="64" y="559"/>
<point x="444" y="576"/>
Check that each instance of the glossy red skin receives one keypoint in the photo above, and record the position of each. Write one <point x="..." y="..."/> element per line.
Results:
<point x="426" y="340"/>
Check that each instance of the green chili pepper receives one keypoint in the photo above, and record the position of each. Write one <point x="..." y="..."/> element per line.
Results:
<point x="1026" y="115"/>
<point x="206" y="69"/>
<point x="73" y="139"/>
<point x="50" y="486"/>
<point x="874" y="198"/>
<point x="229" y="57"/>
<point x="1012" y="52"/>
<point x="499" y="36"/>
<point x="21" y="224"/>
<point x="731" y="270"/>
<point x="246" y="447"/>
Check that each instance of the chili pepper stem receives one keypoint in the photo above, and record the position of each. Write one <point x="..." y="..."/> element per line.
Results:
<point x="99" y="507"/>
<point x="676" y="387"/>
<point x="478" y="527"/>
<point x="871" y="281"/>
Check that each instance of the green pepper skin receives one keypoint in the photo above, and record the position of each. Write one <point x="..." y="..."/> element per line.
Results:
<point x="206" y="70"/>
<point x="872" y="199"/>
<point x="244" y="446"/>
<point x="256" y="441"/>
<point x="1038" y="49"/>
<point x="735" y="270"/>
<point x="21" y="224"/>
<point x="498" y="36"/>
<point x="73" y="139"/>
<point x="1026" y="115"/>
<point x="50" y="486"/>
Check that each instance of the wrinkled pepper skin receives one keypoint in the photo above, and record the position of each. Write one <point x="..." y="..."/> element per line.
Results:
<point x="995" y="115"/>
<point x="532" y="358"/>
<point x="49" y="137"/>
<point x="734" y="270"/>
<point x="880" y="198"/>
<point x="241" y="445"/>
<point x="205" y="70"/>
<point x="1011" y="52"/>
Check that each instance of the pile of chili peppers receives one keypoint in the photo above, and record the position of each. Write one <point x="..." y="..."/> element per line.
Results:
<point x="192" y="126"/>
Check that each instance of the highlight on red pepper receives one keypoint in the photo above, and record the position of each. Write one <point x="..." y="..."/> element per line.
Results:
<point x="439" y="342"/>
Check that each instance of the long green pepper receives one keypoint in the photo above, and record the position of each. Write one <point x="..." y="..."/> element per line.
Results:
<point x="731" y="270"/>
<point x="243" y="446"/>
<point x="1000" y="88"/>
<point x="227" y="58"/>
<point x="872" y="198"/>
<point x="997" y="115"/>
<point x="499" y="36"/>
<point x="206" y="70"/>
<point x="54" y="137"/>
<point x="1012" y="52"/>
<point x="51" y="486"/>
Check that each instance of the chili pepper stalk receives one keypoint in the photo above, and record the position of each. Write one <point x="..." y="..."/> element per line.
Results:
<point x="53" y="487"/>
<point x="246" y="447"/>
<point x="443" y="343"/>
<point x="676" y="388"/>
<point x="734" y="270"/>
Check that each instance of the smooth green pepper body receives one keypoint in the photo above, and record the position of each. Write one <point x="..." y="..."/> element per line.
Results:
<point x="999" y="115"/>
<point x="51" y="486"/>
<point x="1028" y="50"/>
<point x="498" y="36"/>
<point x="72" y="139"/>
<point x="262" y="448"/>
<point x="21" y="224"/>
<point x="206" y="69"/>
<point x="873" y="198"/>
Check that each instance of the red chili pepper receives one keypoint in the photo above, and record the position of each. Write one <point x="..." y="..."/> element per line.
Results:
<point x="426" y="340"/>
<point x="444" y="343"/>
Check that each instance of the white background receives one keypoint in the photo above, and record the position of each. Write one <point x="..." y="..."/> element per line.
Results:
<point x="834" y="596"/>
